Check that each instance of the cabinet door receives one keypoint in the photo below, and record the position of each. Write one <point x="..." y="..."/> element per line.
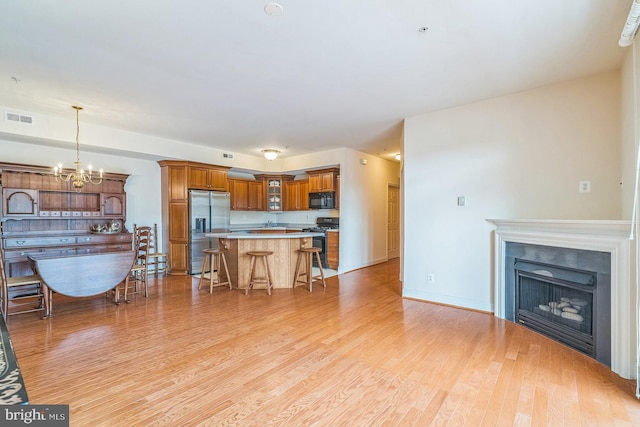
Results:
<point x="178" y="258"/>
<point x="20" y="202"/>
<point x="327" y="181"/>
<point x="315" y="183"/>
<point x="239" y="194"/>
<point x="333" y="252"/>
<point x="113" y="205"/>
<point x="178" y="184"/>
<point x="179" y="222"/>
<point x="198" y="178"/>
<point x="303" y="195"/>
<point x="256" y="195"/>
<point x="218" y="180"/>
<point x="291" y="201"/>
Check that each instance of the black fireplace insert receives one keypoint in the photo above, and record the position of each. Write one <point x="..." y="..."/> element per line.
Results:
<point x="557" y="301"/>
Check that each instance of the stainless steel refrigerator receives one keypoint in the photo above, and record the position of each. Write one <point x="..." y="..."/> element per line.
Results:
<point x="209" y="212"/>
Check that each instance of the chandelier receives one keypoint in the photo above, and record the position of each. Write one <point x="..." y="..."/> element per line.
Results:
<point x="79" y="176"/>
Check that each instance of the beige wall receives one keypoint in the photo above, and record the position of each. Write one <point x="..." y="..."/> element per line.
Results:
<point x="518" y="156"/>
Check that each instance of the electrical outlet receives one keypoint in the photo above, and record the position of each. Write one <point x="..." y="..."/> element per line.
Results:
<point x="431" y="278"/>
<point x="461" y="201"/>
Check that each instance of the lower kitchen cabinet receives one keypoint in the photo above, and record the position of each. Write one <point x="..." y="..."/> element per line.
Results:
<point x="333" y="249"/>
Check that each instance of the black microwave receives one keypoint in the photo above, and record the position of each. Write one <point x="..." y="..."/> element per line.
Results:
<point x="322" y="200"/>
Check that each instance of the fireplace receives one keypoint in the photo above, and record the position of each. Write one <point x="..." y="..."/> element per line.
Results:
<point x="600" y="246"/>
<point x="558" y="302"/>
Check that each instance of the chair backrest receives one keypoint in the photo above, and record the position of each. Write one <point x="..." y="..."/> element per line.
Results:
<point x="142" y="241"/>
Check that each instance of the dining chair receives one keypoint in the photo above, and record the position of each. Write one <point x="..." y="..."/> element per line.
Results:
<point x="158" y="261"/>
<point x="137" y="277"/>
<point x="21" y="290"/>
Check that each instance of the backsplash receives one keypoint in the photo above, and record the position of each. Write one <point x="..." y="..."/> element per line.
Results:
<point x="293" y="217"/>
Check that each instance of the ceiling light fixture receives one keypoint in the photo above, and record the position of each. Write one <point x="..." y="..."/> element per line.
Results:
<point x="273" y="9"/>
<point x="79" y="176"/>
<point x="270" y="154"/>
<point x="631" y="26"/>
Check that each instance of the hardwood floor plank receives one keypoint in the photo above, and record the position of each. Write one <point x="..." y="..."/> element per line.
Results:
<point x="354" y="354"/>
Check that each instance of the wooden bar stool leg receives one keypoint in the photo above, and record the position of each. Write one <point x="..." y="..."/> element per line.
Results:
<point x="252" y="267"/>
<point x="324" y="284"/>
<point x="309" y="261"/>
<point x="213" y="263"/>
<point x="267" y="273"/>
<point x="204" y="268"/>
<point x="226" y="270"/>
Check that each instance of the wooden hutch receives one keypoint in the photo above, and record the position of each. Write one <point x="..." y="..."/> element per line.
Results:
<point x="40" y="214"/>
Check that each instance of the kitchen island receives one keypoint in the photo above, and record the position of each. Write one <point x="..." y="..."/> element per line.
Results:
<point x="282" y="263"/>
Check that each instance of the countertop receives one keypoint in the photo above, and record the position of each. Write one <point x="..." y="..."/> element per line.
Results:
<point x="241" y="235"/>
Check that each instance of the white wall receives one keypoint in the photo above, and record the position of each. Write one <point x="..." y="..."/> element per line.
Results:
<point x="363" y="189"/>
<point x="518" y="156"/>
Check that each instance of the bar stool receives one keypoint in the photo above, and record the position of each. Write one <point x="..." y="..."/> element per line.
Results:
<point x="307" y="255"/>
<point x="213" y="257"/>
<point x="267" y="280"/>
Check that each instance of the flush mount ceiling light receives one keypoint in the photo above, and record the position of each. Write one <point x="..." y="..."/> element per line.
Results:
<point x="273" y="9"/>
<point x="270" y="154"/>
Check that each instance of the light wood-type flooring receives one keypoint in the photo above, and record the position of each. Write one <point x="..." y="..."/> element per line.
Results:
<point x="353" y="354"/>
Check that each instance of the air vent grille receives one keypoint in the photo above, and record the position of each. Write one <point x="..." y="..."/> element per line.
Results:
<point x="16" y="117"/>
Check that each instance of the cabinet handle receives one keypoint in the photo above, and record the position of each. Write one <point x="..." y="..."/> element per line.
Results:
<point x="21" y="242"/>
<point x="23" y="253"/>
<point x="64" y="240"/>
<point x="88" y="239"/>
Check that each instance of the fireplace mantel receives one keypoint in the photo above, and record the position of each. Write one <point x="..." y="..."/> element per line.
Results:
<point x="596" y="235"/>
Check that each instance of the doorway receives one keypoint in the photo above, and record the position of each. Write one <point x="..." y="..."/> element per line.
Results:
<point x="393" y="221"/>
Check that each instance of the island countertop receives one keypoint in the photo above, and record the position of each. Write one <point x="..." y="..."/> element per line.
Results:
<point x="249" y="235"/>
<point x="282" y="263"/>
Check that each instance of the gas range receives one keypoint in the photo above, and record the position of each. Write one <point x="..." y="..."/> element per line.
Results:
<point x="324" y="224"/>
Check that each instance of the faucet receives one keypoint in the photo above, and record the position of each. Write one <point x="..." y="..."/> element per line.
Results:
<point x="269" y="223"/>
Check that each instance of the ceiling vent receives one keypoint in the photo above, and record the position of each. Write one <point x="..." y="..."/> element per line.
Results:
<point x="16" y="117"/>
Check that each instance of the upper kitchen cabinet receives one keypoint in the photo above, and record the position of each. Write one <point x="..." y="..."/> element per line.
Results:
<point x="297" y="195"/>
<point x="246" y="195"/>
<point x="206" y="177"/>
<point x="275" y="191"/>
<point x="323" y="179"/>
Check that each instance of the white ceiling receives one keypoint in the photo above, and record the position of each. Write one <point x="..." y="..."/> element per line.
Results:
<point x="324" y="74"/>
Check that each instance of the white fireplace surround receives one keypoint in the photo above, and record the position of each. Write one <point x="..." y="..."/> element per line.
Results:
<point x="604" y="236"/>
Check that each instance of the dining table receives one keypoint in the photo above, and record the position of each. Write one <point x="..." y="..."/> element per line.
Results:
<point x="82" y="272"/>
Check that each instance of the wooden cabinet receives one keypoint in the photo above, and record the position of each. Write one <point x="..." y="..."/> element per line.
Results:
<point x="177" y="177"/>
<point x="246" y="195"/>
<point x="333" y="249"/>
<point x="207" y="178"/>
<point x="275" y="191"/>
<point x="297" y="195"/>
<point x="323" y="179"/>
<point x="39" y="213"/>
